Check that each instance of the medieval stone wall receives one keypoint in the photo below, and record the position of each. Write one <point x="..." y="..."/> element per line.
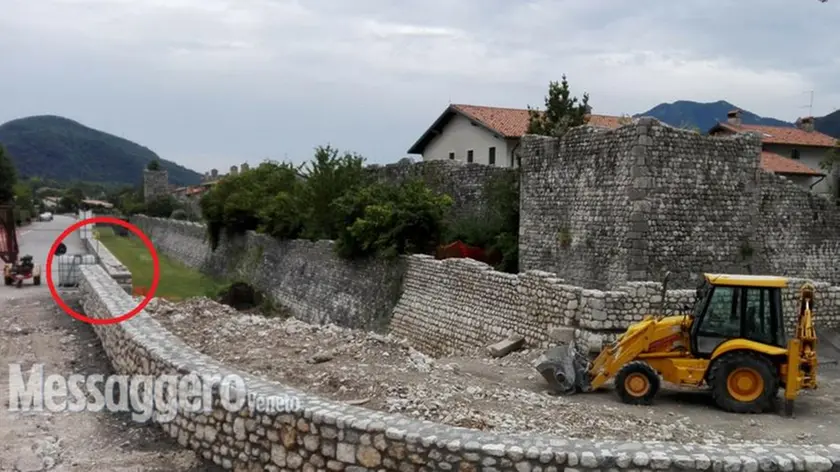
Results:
<point x="440" y="306"/>
<point x="155" y="184"/>
<point x="604" y="207"/>
<point x="304" y="276"/>
<point x="798" y="231"/>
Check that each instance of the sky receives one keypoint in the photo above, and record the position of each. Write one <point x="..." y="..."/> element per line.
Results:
<point x="215" y="83"/>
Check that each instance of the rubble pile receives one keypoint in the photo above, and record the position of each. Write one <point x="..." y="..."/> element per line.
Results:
<point x="384" y="373"/>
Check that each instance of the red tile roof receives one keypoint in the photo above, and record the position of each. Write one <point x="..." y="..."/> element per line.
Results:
<point x="782" y="135"/>
<point x="513" y="122"/>
<point x="770" y="161"/>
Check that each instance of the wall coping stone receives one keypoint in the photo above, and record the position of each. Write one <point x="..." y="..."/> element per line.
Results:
<point x="459" y="444"/>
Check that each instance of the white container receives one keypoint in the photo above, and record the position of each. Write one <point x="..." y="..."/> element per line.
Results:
<point x="69" y="274"/>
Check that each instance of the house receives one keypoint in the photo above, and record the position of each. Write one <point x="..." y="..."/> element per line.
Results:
<point x="795" y="152"/>
<point x="481" y="134"/>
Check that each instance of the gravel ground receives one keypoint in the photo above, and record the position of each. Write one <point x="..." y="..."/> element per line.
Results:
<point x="473" y="390"/>
<point x="35" y="331"/>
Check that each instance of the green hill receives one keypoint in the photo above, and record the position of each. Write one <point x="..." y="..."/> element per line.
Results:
<point x="829" y="124"/>
<point x="52" y="147"/>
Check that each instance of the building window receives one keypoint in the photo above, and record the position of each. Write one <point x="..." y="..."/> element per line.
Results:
<point x="451" y="156"/>
<point x="492" y="156"/>
<point x="794" y="154"/>
<point x="470" y="155"/>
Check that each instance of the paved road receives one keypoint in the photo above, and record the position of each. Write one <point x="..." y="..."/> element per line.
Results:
<point x="35" y="331"/>
<point x="37" y="239"/>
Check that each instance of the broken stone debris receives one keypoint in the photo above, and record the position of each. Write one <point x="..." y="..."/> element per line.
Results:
<point x="506" y="346"/>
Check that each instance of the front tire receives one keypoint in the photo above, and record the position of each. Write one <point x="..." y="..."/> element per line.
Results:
<point x="637" y="383"/>
<point x="744" y="382"/>
<point x="36" y="280"/>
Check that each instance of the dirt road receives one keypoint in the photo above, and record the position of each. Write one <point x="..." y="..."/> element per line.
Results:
<point x="34" y="331"/>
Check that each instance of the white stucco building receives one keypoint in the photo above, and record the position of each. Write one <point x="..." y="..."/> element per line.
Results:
<point x="795" y="152"/>
<point x="481" y="134"/>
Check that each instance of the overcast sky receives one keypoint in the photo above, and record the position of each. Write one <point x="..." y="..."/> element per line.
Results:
<point x="212" y="83"/>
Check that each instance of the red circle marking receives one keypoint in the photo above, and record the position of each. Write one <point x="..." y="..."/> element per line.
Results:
<point x="134" y="229"/>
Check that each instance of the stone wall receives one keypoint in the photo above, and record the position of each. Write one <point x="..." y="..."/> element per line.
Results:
<point x="464" y="182"/>
<point x="304" y="276"/>
<point x="603" y="207"/>
<point x="318" y="434"/>
<point x="155" y="184"/>
<point x="454" y="305"/>
<point x="799" y="232"/>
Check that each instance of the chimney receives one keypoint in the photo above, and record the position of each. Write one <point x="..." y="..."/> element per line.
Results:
<point x="806" y="123"/>
<point x="734" y="117"/>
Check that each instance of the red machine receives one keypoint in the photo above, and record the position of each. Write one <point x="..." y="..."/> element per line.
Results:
<point x="15" y="270"/>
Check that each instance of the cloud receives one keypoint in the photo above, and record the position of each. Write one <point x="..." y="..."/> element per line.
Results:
<point x="218" y="82"/>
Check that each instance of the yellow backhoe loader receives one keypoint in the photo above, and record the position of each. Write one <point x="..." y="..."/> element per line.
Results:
<point x="733" y="343"/>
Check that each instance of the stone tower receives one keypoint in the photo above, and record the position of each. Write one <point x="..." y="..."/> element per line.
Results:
<point x="155" y="184"/>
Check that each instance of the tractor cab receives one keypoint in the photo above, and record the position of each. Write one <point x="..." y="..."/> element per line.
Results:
<point x="746" y="307"/>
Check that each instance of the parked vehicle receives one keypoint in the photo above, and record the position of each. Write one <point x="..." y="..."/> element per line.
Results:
<point x="46" y="216"/>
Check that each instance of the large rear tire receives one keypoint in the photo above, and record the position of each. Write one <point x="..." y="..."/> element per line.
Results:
<point x="744" y="382"/>
<point x="637" y="383"/>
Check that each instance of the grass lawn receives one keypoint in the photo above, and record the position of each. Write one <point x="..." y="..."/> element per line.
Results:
<point x="177" y="281"/>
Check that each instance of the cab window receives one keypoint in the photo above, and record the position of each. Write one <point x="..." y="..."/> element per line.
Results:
<point x="758" y="323"/>
<point x="723" y="316"/>
<point x="721" y="321"/>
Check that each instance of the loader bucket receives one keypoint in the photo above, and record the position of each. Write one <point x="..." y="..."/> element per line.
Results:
<point x="564" y="368"/>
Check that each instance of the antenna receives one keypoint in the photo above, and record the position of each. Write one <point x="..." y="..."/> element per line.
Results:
<point x="810" y="105"/>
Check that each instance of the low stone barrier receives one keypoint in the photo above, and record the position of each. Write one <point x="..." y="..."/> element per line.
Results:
<point x="112" y="266"/>
<point x="318" y="434"/>
<point x="104" y="257"/>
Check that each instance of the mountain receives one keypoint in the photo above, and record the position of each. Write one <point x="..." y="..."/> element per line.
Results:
<point x="52" y="147"/>
<point x="829" y="124"/>
<point x="704" y="115"/>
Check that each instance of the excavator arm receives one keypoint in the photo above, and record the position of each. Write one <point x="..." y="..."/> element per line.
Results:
<point x="800" y="370"/>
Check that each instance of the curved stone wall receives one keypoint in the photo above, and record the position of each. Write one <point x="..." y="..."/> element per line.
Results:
<point x="326" y="435"/>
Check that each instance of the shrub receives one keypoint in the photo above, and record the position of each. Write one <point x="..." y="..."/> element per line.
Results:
<point x="390" y="220"/>
<point x="179" y="214"/>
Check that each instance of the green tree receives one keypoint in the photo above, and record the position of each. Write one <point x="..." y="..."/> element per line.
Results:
<point x="328" y="176"/>
<point x="24" y="197"/>
<point x="161" y="207"/>
<point x="154" y="164"/>
<point x="562" y="111"/>
<point x="8" y="177"/>
<point x="241" y="202"/>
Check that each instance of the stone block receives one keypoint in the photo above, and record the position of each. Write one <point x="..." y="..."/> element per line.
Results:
<point x="562" y="334"/>
<point x="506" y="346"/>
